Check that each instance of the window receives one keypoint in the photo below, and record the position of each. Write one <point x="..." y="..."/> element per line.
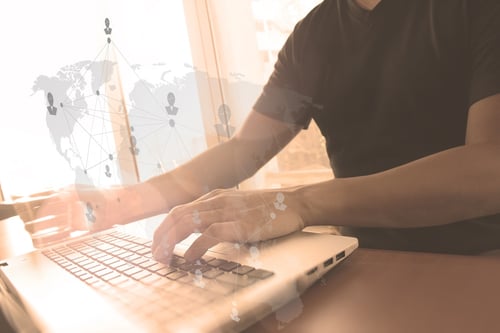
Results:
<point x="71" y="74"/>
<point x="111" y="92"/>
<point x="238" y="44"/>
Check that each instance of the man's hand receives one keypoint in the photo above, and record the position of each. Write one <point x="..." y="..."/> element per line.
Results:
<point x="77" y="208"/>
<point x="228" y="216"/>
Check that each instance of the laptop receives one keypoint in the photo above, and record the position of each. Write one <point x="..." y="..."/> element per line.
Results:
<point x="109" y="282"/>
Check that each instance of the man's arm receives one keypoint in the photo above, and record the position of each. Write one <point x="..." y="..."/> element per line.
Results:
<point x="222" y="166"/>
<point x="449" y="186"/>
<point x="446" y="187"/>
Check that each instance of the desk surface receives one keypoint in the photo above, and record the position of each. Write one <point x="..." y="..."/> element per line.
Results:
<point x="375" y="291"/>
<point x="387" y="291"/>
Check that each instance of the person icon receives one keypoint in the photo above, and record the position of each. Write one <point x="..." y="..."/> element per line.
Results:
<point x="254" y="256"/>
<point x="133" y="148"/>
<point x="279" y="203"/>
<point x="107" y="172"/>
<point x="51" y="108"/>
<point x="224" y="129"/>
<point x="234" y="312"/>
<point x="171" y="108"/>
<point x="107" y="30"/>
<point x="198" y="277"/>
<point x="90" y="213"/>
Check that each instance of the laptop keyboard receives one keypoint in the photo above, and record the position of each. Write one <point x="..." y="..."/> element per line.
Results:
<point x="122" y="268"/>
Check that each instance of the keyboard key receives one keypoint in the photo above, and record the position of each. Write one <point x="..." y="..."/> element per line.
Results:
<point x="74" y="256"/>
<point x="123" y="268"/>
<point x="132" y="271"/>
<point x="198" y="269"/>
<point x="136" y="248"/>
<point x="103" y="272"/>
<point x="217" y="262"/>
<point x="141" y="275"/>
<point x="228" y="266"/>
<point x="117" y="264"/>
<point x="165" y="271"/>
<point x="151" y="279"/>
<point x="144" y="251"/>
<point x="119" y="242"/>
<point x="156" y="267"/>
<point x="177" y="261"/>
<point x="98" y="255"/>
<point x="86" y="276"/>
<point x="187" y="266"/>
<point x="90" y="265"/>
<point x="207" y="258"/>
<point x="97" y="268"/>
<point x="129" y="246"/>
<point x="110" y="276"/>
<point x="92" y="280"/>
<point x="118" y="251"/>
<point x="148" y="263"/>
<point x="125" y="255"/>
<point x="260" y="274"/>
<point x="138" y="261"/>
<point x="133" y="257"/>
<point x="176" y="275"/>
<point x="242" y="270"/>
<point x="84" y="261"/>
<point x="105" y="247"/>
<point x="212" y="274"/>
<point x="110" y="261"/>
<point x="104" y="258"/>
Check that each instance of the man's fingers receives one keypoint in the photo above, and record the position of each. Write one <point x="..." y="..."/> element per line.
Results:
<point x="177" y="227"/>
<point x="46" y="223"/>
<point x="164" y="242"/>
<point x="214" y="234"/>
<point x="190" y="213"/>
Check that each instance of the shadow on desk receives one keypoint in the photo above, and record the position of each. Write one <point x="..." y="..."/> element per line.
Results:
<point x="389" y="291"/>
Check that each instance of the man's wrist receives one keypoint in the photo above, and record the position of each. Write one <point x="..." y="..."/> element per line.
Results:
<point x="318" y="204"/>
<point x="139" y="201"/>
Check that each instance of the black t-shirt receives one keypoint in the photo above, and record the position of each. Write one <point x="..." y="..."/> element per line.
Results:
<point x="387" y="87"/>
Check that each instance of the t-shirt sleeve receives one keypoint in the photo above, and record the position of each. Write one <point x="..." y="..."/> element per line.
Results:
<point x="285" y="96"/>
<point x="485" y="49"/>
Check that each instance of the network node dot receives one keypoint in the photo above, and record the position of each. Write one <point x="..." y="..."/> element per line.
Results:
<point x="171" y="122"/>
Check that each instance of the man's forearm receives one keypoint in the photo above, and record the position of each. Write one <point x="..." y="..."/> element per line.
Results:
<point x="222" y="166"/>
<point x="449" y="186"/>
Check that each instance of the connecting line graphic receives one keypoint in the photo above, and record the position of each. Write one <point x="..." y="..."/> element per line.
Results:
<point x="91" y="137"/>
<point x="138" y="77"/>
<point x="97" y="122"/>
<point x="73" y="140"/>
<point x="87" y="69"/>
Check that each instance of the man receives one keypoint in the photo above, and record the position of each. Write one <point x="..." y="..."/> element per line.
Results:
<point x="407" y="95"/>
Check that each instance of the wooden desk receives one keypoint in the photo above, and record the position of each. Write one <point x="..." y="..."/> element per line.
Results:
<point x="375" y="291"/>
<point x="386" y="291"/>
